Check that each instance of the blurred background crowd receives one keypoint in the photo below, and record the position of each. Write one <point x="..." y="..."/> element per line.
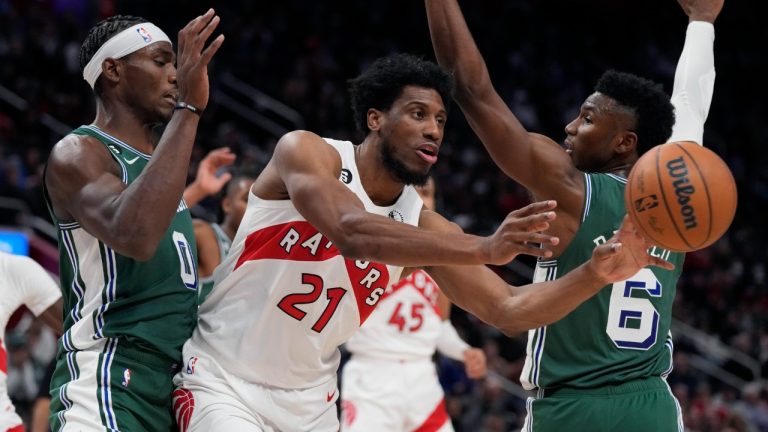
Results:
<point x="284" y="66"/>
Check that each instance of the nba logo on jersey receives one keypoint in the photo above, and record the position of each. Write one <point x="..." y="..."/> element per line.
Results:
<point x="144" y="34"/>
<point x="191" y="365"/>
<point x="126" y="377"/>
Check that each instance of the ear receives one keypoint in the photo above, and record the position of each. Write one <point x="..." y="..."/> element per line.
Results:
<point x="110" y="70"/>
<point x="627" y="143"/>
<point x="375" y="119"/>
<point x="226" y="205"/>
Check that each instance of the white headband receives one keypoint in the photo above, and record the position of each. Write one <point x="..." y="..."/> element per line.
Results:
<point x="120" y="45"/>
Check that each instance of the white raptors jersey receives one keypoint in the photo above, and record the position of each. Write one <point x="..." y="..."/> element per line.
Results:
<point x="285" y="299"/>
<point x="405" y="325"/>
<point x="22" y="282"/>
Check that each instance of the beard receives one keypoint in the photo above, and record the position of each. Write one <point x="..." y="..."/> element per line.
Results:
<point x="398" y="170"/>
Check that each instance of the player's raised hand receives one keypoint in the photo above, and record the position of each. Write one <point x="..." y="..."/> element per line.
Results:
<point x="474" y="363"/>
<point x="193" y="58"/>
<point x="624" y="255"/>
<point x="206" y="177"/>
<point x="702" y="10"/>
<point x="521" y="233"/>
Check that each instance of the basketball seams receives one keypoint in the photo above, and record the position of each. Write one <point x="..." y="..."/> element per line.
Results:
<point x="664" y="199"/>
<point x="706" y="190"/>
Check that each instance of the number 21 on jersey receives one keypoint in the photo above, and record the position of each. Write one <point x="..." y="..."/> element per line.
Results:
<point x="633" y="322"/>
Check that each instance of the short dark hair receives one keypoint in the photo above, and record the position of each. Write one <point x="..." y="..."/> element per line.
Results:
<point x="383" y="82"/>
<point x="100" y="34"/>
<point x="653" y="110"/>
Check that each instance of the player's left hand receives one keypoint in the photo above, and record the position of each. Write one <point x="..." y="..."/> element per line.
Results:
<point x="624" y="255"/>
<point x="206" y="178"/>
<point x="474" y="363"/>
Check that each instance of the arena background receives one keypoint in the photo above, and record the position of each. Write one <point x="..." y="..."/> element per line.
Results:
<point x="284" y="66"/>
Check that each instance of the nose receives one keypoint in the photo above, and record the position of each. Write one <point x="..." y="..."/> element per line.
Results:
<point x="172" y="75"/>
<point x="570" y="128"/>
<point x="433" y="129"/>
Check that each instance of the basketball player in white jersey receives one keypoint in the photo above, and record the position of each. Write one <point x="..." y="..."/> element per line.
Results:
<point x="390" y="384"/>
<point x="23" y="282"/>
<point x="306" y="267"/>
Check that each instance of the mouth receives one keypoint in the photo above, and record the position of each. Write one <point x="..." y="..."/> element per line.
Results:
<point x="568" y="146"/>
<point x="428" y="152"/>
<point x="172" y="98"/>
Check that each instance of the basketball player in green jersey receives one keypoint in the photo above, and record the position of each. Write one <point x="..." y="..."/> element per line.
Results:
<point x="213" y="240"/>
<point x="603" y="366"/>
<point x="127" y="256"/>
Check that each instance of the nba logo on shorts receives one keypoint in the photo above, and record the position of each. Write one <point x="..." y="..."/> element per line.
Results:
<point x="144" y="34"/>
<point x="191" y="365"/>
<point x="126" y="377"/>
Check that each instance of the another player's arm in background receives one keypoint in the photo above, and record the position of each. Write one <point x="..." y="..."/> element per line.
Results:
<point x="206" y="181"/>
<point x="306" y="168"/>
<point x="40" y="293"/>
<point x="208" y="253"/>
<point x="521" y="155"/>
<point x="451" y="345"/>
<point x="695" y="73"/>
<point x="84" y="181"/>
<point x="512" y="310"/>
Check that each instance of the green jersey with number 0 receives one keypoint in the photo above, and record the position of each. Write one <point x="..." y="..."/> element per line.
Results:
<point x="620" y="334"/>
<point x="150" y="304"/>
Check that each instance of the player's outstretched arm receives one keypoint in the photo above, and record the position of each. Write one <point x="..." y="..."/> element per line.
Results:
<point x="695" y="73"/>
<point x="515" y="309"/>
<point x="84" y="182"/>
<point x="305" y="169"/>
<point x="513" y="149"/>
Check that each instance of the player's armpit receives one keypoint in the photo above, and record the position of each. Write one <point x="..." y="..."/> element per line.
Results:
<point x="208" y="254"/>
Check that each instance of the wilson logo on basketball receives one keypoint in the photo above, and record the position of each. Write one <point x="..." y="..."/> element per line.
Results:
<point x="683" y="190"/>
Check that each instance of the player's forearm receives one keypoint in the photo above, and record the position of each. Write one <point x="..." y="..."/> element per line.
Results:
<point x="455" y="48"/>
<point x="378" y="238"/>
<point x="151" y="201"/>
<point x="536" y="305"/>
<point x="694" y="83"/>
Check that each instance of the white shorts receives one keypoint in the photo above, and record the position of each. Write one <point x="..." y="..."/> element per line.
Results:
<point x="391" y="396"/>
<point x="207" y="398"/>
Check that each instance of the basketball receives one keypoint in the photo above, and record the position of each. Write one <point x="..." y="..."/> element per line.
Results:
<point x="681" y="196"/>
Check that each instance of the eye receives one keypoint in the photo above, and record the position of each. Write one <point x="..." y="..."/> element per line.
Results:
<point x="418" y="114"/>
<point x="159" y="62"/>
<point x="588" y="119"/>
<point x="441" y="120"/>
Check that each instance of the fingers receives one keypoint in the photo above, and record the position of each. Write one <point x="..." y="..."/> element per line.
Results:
<point x="658" y="262"/>
<point x="534" y="222"/>
<point x="533" y="208"/>
<point x="209" y="52"/>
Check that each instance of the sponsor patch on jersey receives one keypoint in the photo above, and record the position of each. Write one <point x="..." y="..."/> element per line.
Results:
<point x="346" y="176"/>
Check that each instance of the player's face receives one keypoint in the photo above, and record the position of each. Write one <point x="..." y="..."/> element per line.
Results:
<point x="592" y="136"/>
<point x="235" y="203"/>
<point x="150" y="77"/>
<point x="412" y="132"/>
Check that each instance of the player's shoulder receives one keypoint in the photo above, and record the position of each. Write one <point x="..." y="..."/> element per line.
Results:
<point x="303" y="145"/>
<point x="76" y="151"/>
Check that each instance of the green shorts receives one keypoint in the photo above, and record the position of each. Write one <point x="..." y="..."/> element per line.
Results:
<point x="117" y="387"/>
<point x="636" y="406"/>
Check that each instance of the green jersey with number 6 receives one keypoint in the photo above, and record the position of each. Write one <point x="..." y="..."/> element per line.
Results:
<point x="620" y="334"/>
<point x="151" y="304"/>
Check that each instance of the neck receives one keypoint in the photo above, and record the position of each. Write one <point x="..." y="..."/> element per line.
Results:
<point x="229" y="227"/>
<point x="380" y="186"/>
<point x="122" y="122"/>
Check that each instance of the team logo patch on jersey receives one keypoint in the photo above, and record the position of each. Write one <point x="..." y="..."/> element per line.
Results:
<point x="144" y="34"/>
<point x="396" y="215"/>
<point x="346" y="176"/>
<point x="191" y="365"/>
<point x="126" y="377"/>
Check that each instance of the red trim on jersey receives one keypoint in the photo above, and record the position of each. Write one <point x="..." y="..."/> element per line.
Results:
<point x="298" y="237"/>
<point x="17" y="428"/>
<point x="411" y="281"/>
<point x="265" y="244"/>
<point x="348" y="412"/>
<point x="183" y="406"/>
<point x="436" y="420"/>
<point x="3" y="358"/>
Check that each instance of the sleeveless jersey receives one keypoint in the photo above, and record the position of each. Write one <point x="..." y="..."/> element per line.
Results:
<point x="406" y="323"/>
<point x="224" y="243"/>
<point x="620" y="334"/>
<point x="285" y="298"/>
<point x="151" y="304"/>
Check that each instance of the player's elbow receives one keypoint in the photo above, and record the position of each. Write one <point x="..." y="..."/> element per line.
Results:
<point x="512" y="318"/>
<point x="135" y="245"/>
<point x="351" y="239"/>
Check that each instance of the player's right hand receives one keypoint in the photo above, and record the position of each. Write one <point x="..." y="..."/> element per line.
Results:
<point x="521" y="233"/>
<point x="192" y="60"/>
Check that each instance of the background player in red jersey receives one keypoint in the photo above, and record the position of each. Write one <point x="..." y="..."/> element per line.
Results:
<point x="391" y="383"/>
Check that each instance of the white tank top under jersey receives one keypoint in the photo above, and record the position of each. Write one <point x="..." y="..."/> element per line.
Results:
<point x="405" y="325"/>
<point x="23" y="282"/>
<point x="285" y="299"/>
